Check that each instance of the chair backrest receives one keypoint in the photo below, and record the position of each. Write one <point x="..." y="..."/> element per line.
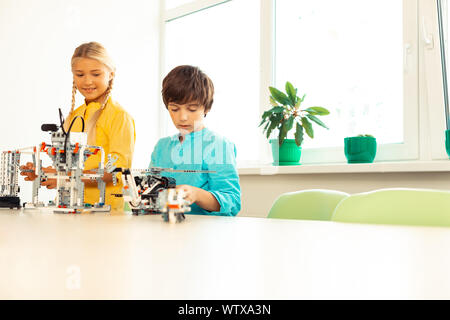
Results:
<point x="399" y="206"/>
<point x="313" y="204"/>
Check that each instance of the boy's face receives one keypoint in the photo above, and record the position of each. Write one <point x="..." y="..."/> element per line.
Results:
<point x="187" y="117"/>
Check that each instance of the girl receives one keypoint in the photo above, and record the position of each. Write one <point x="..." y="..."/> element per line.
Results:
<point x="108" y="125"/>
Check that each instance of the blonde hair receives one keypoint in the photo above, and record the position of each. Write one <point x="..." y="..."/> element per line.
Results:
<point x="92" y="50"/>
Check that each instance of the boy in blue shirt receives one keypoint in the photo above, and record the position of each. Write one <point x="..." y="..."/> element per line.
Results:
<point x="188" y="96"/>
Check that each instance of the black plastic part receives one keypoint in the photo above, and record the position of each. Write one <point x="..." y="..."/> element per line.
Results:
<point x="49" y="127"/>
<point x="10" y="202"/>
<point x="142" y="212"/>
<point x="170" y="182"/>
<point x="117" y="195"/>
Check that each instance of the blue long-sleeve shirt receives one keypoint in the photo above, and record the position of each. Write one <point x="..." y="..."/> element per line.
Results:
<point x="203" y="150"/>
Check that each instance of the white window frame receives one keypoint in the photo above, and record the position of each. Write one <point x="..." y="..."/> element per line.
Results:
<point x="432" y="120"/>
<point x="166" y="16"/>
<point x="189" y="8"/>
<point x="423" y="121"/>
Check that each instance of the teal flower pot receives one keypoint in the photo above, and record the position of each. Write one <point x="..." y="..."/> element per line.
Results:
<point x="288" y="154"/>
<point x="447" y="142"/>
<point x="360" y="149"/>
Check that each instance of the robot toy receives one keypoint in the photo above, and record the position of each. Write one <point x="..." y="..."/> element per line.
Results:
<point x="68" y="152"/>
<point x="148" y="192"/>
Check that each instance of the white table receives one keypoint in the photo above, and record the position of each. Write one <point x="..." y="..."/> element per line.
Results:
<point x="119" y="256"/>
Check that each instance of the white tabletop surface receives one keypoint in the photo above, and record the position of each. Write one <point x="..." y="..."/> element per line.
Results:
<point x="120" y="256"/>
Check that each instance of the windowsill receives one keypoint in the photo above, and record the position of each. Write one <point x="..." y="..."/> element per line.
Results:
<point x="376" y="167"/>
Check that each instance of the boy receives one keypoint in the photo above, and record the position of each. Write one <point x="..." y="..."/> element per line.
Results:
<point x="188" y="96"/>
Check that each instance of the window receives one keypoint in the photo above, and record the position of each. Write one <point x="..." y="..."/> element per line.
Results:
<point x="345" y="58"/>
<point x="433" y="118"/>
<point x="443" y="26"/>
<point x="223" y="41"/>
<point x="374" y="64"/>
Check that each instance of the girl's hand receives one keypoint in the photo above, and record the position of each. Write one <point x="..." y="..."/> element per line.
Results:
<point x="190" y="192"/>
<point x="28" y="171"/>
<point x="49" y="183"/>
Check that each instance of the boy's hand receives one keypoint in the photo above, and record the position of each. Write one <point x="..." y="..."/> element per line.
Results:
<point x="204" y="199"/>
<point x="190" y="192"/>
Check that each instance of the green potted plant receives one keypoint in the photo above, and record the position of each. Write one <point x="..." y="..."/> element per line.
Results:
<point x="447" y="142"/>
<point x="285" y="114"/>
<point x="360" y="149"/>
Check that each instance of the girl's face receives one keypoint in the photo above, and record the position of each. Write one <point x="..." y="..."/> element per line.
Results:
<point x="187" y="117"/>
<point x="91" y="78"/>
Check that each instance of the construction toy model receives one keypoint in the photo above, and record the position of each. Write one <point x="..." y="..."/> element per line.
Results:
<point x="174" y="206"/>
<point x="9" y="173"/>
<point x="147" y="192"/>
<point x="68" y="152"/>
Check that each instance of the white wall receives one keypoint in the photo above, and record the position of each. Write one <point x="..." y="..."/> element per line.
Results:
<point x="37" y="40"/>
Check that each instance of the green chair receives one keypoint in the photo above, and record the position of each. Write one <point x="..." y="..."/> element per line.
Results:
<point x="314" y="204"/>
<point x="399" y="206"/>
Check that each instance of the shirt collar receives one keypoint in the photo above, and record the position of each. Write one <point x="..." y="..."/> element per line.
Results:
<point x="95" y="105"/>
<point x="192" y="135"/>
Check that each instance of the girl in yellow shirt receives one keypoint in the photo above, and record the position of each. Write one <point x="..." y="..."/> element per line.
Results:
<point x="108" y="125"/>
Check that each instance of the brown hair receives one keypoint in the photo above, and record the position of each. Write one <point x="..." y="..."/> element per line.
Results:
<point x="92" y="50"/>
<point x="185" y="84"/>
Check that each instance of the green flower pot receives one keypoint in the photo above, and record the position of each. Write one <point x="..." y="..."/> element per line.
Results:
<point x="288" y="154"/>
<point x="447" y="142"/>
<point x="360" y="149"/>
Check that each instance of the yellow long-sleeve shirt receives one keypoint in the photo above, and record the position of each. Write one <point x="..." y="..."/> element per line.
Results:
<point x="116" y="134"/>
